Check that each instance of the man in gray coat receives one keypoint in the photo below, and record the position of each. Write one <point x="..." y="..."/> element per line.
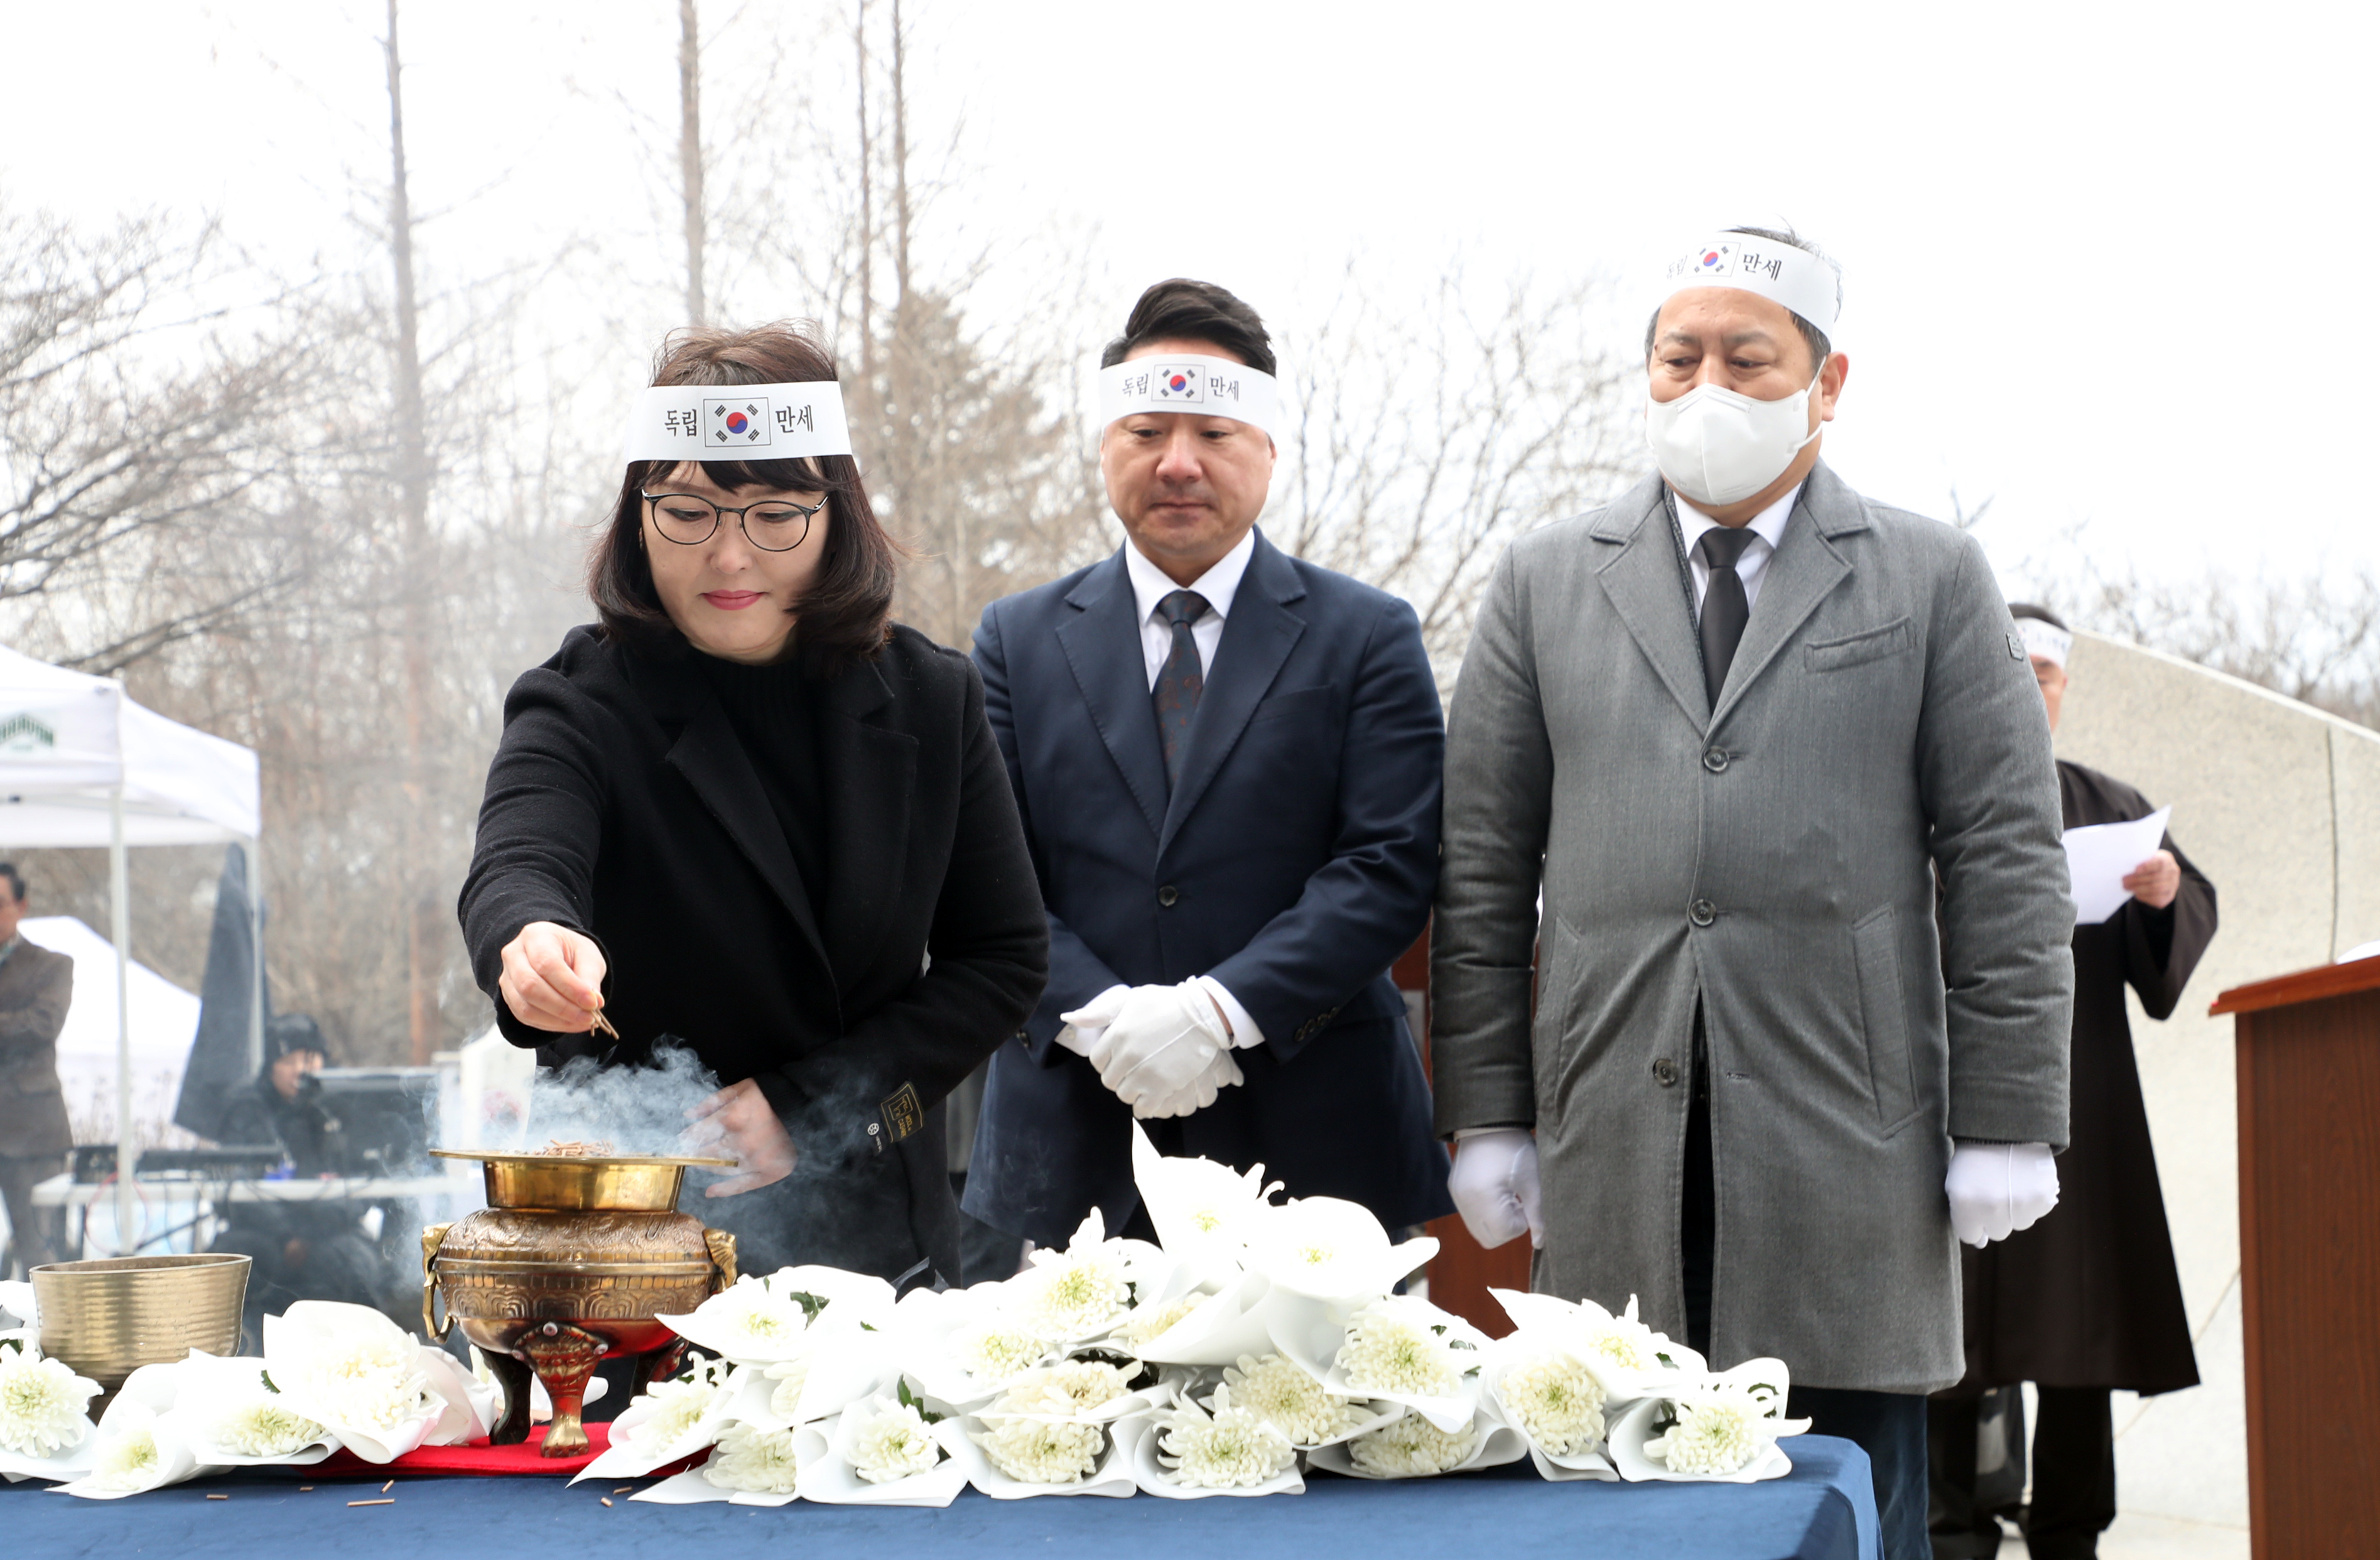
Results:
<point x="1737" y="729"/>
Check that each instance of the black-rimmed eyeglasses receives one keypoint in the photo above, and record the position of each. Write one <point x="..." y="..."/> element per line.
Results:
<point x="776" y="527"/>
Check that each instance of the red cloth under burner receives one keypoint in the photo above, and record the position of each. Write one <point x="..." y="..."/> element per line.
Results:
<point x="478" y="1457"/>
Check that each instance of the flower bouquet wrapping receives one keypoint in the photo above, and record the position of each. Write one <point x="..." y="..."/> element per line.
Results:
<point x="1067" y="1428"/>
<point x="901" y="1450"/>
<point x="45" y="1426"/>
<point x="1714" y="1429"/>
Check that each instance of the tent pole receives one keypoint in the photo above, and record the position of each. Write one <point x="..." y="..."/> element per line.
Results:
<point x="119" y="919"/>
<point x="256" y="947"/>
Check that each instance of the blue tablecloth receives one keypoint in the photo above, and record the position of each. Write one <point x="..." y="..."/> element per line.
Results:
<point x="1826" y="1508"/>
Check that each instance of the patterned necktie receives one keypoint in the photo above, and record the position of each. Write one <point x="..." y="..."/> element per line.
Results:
<point x="1725" y="607"/>
<point x="1179" y="681"/>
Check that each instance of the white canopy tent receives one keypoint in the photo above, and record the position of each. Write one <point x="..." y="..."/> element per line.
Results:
<point x="82" y="766"/>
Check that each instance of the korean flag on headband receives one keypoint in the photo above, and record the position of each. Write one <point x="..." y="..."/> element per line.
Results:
<point x="1178" y="382"/>
<point x="1716" y="260"/>
<point x="735" y="424"/>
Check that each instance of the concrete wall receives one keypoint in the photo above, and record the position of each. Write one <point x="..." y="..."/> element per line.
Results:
<point x="2280" y="805"/>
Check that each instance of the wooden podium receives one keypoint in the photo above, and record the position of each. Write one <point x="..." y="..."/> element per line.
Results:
<point x="2308" y="1057"/>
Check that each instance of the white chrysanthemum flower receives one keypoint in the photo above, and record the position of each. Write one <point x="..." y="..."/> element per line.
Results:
<point x="1151" y="1322"/>
<point x="1387" y="1351"/>
<point x="1710" y="1437"/>
<point x="1077" y="1294"/>
<point x="791" y="1376"/>
<point x="1412" y="1447"/>
<point x="1282" y="1392"/>
<point x="1557" y="1403"/>
<point x="997" y="1349"/>
<point x="751" y="1458"/>
<point x="1624" y="1343"/>
<point x="42" y="1404"/>
<point x="894" y="1443"/>
<point x="1077" y="1387"/>
<point x="259" y="1427"/>
<point x="1231" y="1448"/>
<point x="374" y="1380"/>
<point x="126" y="1461"/>
<point x="1042" y="1451"/>
<point x="751" y="1317"/>
<point x="679" y="1406"/>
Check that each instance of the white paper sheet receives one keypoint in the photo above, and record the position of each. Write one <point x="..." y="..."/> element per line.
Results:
<point x="2101" y="856"/>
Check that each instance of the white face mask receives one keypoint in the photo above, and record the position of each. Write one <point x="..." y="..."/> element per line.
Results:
<point x="1717" y="447"/>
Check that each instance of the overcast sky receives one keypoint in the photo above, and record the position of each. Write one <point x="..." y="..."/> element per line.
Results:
<point x="2078" y="240"/>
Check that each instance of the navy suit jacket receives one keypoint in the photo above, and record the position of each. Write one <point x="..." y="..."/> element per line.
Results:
<point x="1294" y="863"/>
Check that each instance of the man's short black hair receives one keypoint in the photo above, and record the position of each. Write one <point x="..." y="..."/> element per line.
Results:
<point x="2027" y="610"/>
<point x="15" y="880"/>
<point x="1180" y="310"/>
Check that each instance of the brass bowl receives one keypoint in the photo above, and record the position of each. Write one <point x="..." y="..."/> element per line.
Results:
<point x="109" y="1316"/>
<point x="582" y="1183"/>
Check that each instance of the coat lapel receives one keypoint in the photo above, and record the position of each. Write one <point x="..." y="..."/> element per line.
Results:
<point x="1647" y="592"/>
<point x="1101" y="642"/>
<point x="1258" y="634"/>
<point x="1805" y="568"/>
<point x="714" y="763"/>
<point x="870" y="779"/>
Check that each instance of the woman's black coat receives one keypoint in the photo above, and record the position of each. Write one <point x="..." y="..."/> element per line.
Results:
<point x="622" y="804"/>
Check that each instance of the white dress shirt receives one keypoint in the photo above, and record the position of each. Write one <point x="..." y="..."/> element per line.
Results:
<point x="1767" y="528"/>
<point x="1151" y="584"/>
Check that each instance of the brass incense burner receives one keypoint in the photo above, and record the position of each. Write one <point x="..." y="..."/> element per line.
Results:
<point x="567" y="1266"/>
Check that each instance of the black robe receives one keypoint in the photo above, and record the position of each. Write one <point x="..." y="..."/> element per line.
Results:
<point x="2089" y="1295"/>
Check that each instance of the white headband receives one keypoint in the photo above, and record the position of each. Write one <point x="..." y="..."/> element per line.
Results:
<point x="1780" y="272"/>
<point x="737" y="422"/>
<point x="1214" y="387"/>
<point x="2047" y="640"/>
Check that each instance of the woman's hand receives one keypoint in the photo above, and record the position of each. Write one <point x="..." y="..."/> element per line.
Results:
<point x="553" y="978"/>
<point x="737" y="1120"/>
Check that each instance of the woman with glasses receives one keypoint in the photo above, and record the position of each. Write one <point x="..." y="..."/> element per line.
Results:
<point x="747" y="813"/>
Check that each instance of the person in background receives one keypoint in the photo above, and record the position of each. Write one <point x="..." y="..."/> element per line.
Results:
<point x="302" y="1250"/>
<point x="2088" y="1299"/>
<point x="1227" y="760"/>
<point x="36" y="987"/>
<point x="1712" y="748"/>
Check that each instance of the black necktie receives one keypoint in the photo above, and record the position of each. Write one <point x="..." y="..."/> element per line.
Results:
<point x="1179" y="681"/>
<point x="1725" y="610"/>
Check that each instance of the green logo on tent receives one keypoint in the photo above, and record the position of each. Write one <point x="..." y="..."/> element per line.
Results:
<point x="26" y="733"/>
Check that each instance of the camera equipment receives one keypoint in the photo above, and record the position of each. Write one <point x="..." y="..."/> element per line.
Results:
<point x="377" y="1121"/>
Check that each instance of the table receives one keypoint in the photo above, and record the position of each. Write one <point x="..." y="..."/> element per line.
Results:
<point x="202" y="1195"/>
<point x="1824" y="1510"/>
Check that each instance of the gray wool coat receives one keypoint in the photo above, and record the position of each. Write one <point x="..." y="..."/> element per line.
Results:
<point x="1775" y="860"/>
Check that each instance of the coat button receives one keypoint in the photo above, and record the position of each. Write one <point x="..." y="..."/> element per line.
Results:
<point x="1714" y="761"/>
<point x="1665" y="1073"/>
<point x="1167" y="895"/>
<point x="1702" y="913"/>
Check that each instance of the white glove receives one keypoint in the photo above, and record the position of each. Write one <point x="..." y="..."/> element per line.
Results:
<point x="1087" y="1022"/>
<point x="1161" y="1044"/>
<point x="1495" y="1187"/>
<point x="1996" y="1188"/>
<point x="1221" y="1074"/>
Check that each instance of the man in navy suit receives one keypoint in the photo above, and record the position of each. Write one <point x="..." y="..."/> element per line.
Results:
<point x="1228" y="762"/>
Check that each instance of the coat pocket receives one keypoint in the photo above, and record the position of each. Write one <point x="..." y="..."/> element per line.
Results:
<point x="1857" y="649"/>
<point x="1296" y="704"/>
<point x="1885" y="1017"/>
